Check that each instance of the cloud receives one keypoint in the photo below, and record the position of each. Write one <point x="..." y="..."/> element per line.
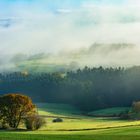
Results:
<point x="132" y="2"/>
<point x="64" y="11"/>
<point x="107" y="55"/>
<point x="32" y="28"/>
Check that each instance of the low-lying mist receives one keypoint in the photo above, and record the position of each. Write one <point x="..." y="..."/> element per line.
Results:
<point x="106" y="55"/>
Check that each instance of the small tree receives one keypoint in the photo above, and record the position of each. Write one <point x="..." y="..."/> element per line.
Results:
<point x="34" y="122"/>
<point x="13" y="107"/>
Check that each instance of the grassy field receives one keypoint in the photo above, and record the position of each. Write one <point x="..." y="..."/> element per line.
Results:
<point x="126" y="133"/>
<point x="76" y="127"/>
<point x="57" y="109"/>
<point x="110" y="111"/>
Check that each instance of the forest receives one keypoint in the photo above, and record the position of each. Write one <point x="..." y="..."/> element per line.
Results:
<point x="88" y="88"/>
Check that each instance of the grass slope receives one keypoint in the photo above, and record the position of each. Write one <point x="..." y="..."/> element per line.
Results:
<point x="76" y="127"/>
<point x="52" y="109"/>
<point x="109" y="111"/>
<point x="129" y="133"/>
<point x="74" y="121"/>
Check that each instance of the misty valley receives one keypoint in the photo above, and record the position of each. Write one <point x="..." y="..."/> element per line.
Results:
<point x="69" y="70"/>
<point x="90" y="101"/>
<point x="88" y="89"/>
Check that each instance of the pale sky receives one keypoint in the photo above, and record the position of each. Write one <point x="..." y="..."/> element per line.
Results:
<point x="49" y="26"/>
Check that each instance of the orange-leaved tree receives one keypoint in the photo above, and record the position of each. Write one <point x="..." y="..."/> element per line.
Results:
<point x="15" y="107"/>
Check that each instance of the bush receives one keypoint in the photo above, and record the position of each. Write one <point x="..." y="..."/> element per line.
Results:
<point x="136" y="107"/>
<point x="134" y="113"/>
<point x="4" y="125"/>
<point x="125" y="116"/>
<point x="34" y="122"/>
<point x="57" y="120"/>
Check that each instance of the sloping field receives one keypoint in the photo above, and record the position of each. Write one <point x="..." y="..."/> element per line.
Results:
<point x="74" y="121"/>
<point x="128" y="133"/>
<point x="76" y="127"/>
<point x="51" y="109"/>
<point x="109" y="111"/>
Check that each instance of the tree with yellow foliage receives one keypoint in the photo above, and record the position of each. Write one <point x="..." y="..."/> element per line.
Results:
<point x="14" y="108"/>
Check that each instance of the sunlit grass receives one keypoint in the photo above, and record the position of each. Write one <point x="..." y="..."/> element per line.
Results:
<point x="73" y="121"/>
<point x="76" y="127"/>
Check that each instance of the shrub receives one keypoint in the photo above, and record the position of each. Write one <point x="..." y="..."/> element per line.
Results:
<point x="136" y="107"/>
<point x="34" y="122"/>
<point x="3" y="125"/>
<point x="57" y="120"/>
<point x="124" y="115"/>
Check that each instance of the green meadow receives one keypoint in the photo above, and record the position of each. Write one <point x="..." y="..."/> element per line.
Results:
<point x="76" y="126"/>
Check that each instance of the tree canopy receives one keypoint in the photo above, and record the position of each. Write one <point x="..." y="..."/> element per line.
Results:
<point x="88" y="88"/>
<point x="14" y="107"/>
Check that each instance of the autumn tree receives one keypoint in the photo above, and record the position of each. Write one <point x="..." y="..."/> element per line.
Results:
<point x="15" y="107"/>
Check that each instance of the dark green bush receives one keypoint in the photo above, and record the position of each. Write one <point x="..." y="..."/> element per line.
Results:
<point x="124" y="116"/>
<point x="3" y="125"/>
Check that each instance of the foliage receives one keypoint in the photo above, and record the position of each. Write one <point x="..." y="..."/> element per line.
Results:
<point x="13" y="107"/>
<point x="3" y="125"/>
<point x="34" y="122"/>
<point x="133" y="113"/>
<point x="136" y="107"/>
<point x="125" y="115"/>
<point x="88" y="89"/>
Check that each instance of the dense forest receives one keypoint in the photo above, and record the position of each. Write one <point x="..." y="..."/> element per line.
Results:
<point x="87" y="88"/>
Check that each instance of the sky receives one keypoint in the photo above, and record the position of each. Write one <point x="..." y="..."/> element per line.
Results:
<point x="30" y="27"/>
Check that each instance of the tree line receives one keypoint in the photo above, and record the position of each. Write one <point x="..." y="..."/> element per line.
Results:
<point x="88" y="88"/>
